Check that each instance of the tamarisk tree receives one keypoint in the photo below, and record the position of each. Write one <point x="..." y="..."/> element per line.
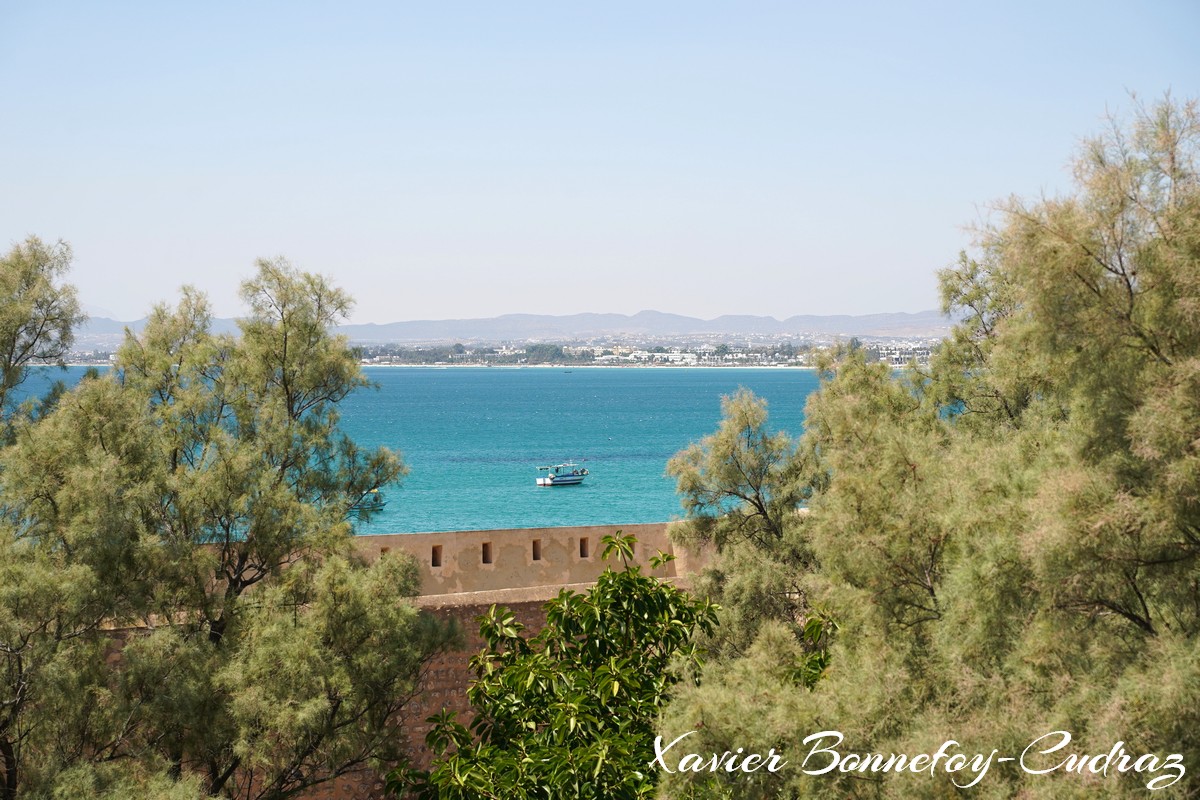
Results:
<point x="188" y="610"/>
<point x="38" y="313"/>
<point x="1009" y="539"/>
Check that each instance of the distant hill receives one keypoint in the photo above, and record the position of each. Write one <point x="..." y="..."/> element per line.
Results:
<point x="101" y="331"/>
<point x="521" y="327"/>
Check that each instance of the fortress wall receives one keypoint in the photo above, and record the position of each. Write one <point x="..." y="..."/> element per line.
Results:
<point x="459" y="562"/>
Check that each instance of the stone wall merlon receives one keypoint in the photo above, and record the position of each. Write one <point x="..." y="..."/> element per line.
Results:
<point x="483" y="561"/>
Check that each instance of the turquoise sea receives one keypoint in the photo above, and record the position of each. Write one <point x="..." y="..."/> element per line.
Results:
<point x="473" y="437"/>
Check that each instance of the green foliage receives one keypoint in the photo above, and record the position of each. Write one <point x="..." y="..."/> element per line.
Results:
<point x="1009" y="541"/>
<point x="190" y="509"/>
<point x="320" y="688"/>
<point x="38" y="315"/>
<point x="742" y="489"/>
<point x="569" y="712"/>
<point x="740" y="483"/>
<point x="545" y="354"/>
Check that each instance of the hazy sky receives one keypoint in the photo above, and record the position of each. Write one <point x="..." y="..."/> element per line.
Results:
<point x="472" y="159"/>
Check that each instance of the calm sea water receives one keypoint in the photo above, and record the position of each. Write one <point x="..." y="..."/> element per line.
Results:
<point x="473" y="437"/>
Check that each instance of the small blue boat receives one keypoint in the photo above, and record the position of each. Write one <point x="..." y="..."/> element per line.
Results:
<point x="568" y="474"/>
<point x="368" y="503"/>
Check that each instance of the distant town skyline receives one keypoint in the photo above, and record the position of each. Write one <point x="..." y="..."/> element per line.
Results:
<point x="469" y="160"/>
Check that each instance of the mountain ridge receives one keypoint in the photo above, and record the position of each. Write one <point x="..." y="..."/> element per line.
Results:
<point x="646" y="323"/>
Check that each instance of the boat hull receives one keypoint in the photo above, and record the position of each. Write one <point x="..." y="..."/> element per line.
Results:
<point x="561" y="480"/>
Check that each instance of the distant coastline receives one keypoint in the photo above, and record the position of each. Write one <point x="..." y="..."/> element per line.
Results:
<point x="98" y="364"/>
<point x="601" y="340"/>
<point x="568" y="368"/>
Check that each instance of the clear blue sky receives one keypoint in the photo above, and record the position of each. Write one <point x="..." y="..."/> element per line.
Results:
<point x="451" y="159"/>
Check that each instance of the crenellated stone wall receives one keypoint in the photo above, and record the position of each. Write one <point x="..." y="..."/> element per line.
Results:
<point x="460" y="562"/>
